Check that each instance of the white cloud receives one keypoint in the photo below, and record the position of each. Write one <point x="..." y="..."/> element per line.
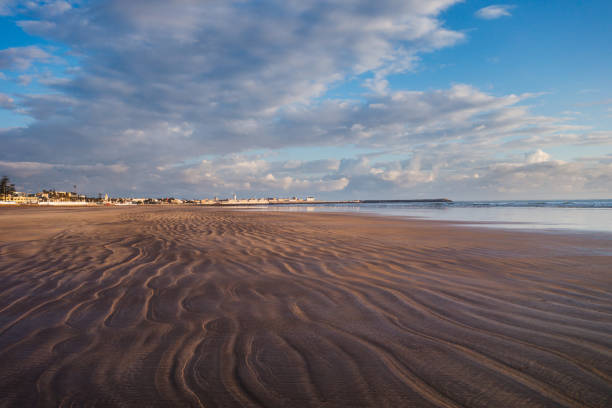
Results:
<point x="495" y="11"/>
<point x="547" y="179"/>
<point x="538" y="156"/>
<point x="52" y="8"/>
<point x="239" y="173"/>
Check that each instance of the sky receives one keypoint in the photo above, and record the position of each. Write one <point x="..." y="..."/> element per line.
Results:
<point x="344" y="99"/>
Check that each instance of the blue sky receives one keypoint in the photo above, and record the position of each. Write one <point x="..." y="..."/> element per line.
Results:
<point x="398" y="99"/>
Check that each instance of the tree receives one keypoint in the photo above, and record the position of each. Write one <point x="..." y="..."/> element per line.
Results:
<point x="6" y="187"/>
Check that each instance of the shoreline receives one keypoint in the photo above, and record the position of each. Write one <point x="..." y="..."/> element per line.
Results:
<point x="332" y="210"/>
<point x="580" y="220"/>
<point x="485" y="224"/>
<point x="220" y="307"/>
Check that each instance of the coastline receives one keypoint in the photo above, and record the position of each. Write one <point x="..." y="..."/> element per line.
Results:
<point x="202" y="306"/>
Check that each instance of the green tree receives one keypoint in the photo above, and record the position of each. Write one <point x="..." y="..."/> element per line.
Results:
<point x="6" y="187"/>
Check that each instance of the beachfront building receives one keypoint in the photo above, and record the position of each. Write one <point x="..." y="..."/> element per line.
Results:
<point x="22" y="198"/>
<point x="257" y="201"/>
<point x="19" y="198"/>
<point x="53" y="195"/>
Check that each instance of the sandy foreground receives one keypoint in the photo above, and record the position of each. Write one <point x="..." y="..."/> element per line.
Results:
<point x="186" y="306"/>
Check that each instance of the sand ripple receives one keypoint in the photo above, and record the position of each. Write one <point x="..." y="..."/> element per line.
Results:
<point x="201" y="307"/>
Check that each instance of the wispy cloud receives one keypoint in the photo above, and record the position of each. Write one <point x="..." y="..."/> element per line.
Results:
<point x="6" y="102"/>
<point x="44" y="8"/>
<point x="495" y="11"/>
<point x="20" y="58"/>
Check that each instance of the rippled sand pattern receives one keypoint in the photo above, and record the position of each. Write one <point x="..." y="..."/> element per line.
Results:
<point x="200" y="307"/>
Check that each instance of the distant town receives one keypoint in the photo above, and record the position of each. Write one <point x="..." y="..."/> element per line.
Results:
<point x="10" y="196"/>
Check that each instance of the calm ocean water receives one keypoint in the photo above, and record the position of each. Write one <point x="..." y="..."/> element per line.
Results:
<point x="577" y="215"/>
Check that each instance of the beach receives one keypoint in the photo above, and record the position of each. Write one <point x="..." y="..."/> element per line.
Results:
<point x="190" y="306"/>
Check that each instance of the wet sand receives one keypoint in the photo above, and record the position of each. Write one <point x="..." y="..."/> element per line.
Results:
<point x="185" y="306"/>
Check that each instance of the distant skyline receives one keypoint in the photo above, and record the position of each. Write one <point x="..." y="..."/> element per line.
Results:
<point x="391" y="99"/>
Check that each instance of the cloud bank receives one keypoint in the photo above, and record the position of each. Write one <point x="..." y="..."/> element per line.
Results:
<point x="199" y="99"/>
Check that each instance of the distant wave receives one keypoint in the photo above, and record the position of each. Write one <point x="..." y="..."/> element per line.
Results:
<point x="536" y="203"/>
<point x="486" y="204"/>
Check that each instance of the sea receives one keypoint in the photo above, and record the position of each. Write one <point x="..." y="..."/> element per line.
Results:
<point x="551" y="215"/>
